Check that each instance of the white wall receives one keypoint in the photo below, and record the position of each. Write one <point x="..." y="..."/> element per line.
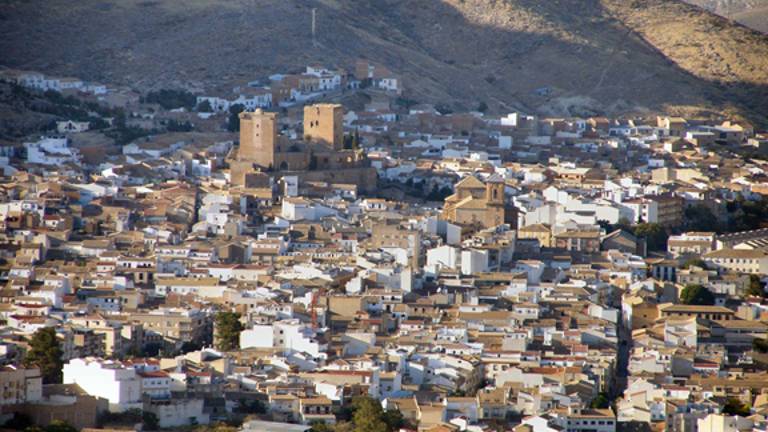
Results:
<point x="117" y="384"/>
<point x="180" y="412"/>
<point x="443" y="256"/>
<point x="474" y="261"/>
<point x="259" y="336"/>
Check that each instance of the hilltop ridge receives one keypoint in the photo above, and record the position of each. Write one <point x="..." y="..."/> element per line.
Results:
<point x="751" y="13"/>
<point x="555" y="57"/>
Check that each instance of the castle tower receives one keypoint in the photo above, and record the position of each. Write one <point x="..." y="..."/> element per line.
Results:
<point x="258" y="137"/>
<point x="324" y="123"/>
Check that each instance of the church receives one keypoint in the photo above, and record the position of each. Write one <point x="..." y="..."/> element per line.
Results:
<point x="478" y="204"/>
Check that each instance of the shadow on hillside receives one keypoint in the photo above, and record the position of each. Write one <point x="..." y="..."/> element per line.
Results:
<point x="440" y="54"/>
<point x="617" y="64"/>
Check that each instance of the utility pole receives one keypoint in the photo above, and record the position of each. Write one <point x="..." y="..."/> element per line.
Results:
<point x="314" y="26"/>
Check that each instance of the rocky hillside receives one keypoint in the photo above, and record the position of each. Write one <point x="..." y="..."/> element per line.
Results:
<point x="751" y="13"/>
<point x="590" y="56"/>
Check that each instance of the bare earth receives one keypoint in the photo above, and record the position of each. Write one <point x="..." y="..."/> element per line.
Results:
<point x="751" y="13"/>
<point x="593" y="56"/>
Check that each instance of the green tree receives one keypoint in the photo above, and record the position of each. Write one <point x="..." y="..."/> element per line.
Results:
<point x="345" y="413"/>
<point x="482" y="107"/>
<point x="128" y="417"/>
<point x="177" y="126"/>
<point x="45" y="353"/>
<point x="19" y="421"/>
<point x="320" y="426"/>
<point x="191" y="346"/>
<point x="624" y="224"/>
<point x="150" y="421"/>
<point x="736" y="407"/>
<point x="439" y="194"/>
<point x="747" y="214"/>
<point x="699" y="217"/>
<point x="204" y="107"/>
<point x="343" y="426"/>
<point x="216" y="427"/>
<point x="252" y="406"/>
<point x="756" y="287"/>
<point x="125" y="134"/>
<point x="601" y="401"/>
<point x="760" y="345"/>
<point x="443" y="109"/>
<point x="233" y="123"/>
<point x="170" y="99"/>
<point x="394" y="420"/>
<point x="697" y="262"/>
<point x="59" y="426"/>
<point x="695" y="294"/>
<point x="655" y="235"/>
<point x="605" y="225"/>
<point x="368" y="416"/>
<point x="405" y="102"/>
<point x="228" y="328"/>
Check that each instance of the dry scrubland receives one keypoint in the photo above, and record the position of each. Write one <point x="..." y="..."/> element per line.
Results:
<point x="590" y="56"/>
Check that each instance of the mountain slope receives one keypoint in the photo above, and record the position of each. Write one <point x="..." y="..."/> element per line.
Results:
<point x="592" y="55"/>
<point x="756" y="18"/>
<point x="751" y="13"/>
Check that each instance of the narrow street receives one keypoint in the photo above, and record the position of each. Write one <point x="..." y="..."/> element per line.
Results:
<point x="622" y="362"/>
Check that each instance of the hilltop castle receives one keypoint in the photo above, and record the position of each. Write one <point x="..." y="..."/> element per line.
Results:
<point x="319" y="156"/>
